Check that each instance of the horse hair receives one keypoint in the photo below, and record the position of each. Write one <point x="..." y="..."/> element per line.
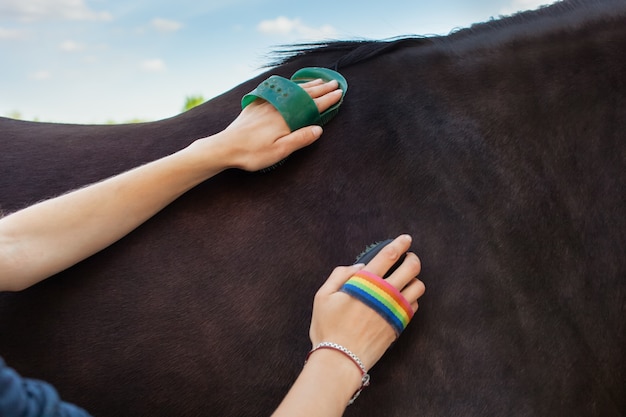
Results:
<point x="500" y="148"/>
<point x="362" y="50"/>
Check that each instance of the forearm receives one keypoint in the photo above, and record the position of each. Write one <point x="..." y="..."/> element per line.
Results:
<point x="323" y="388"/>
<point x="50" y="236"/>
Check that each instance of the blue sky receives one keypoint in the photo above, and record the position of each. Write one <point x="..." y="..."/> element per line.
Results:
<point x="90" y="61"/>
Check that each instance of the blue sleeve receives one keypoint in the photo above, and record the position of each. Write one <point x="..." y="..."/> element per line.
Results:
<point x="22" y="397"/>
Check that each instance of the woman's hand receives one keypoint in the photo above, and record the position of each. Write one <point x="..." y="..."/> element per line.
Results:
<point x="342" y="319"/>
<point x="329" y="378"/>
<point x="259" y="137"/>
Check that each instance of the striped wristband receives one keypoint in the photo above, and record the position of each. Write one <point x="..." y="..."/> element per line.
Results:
<point x="382" y="297"/>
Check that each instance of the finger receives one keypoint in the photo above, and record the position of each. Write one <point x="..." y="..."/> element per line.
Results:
<point x="328" y="100"/>
<point x="414" y="290"/>
<point x="389" y="255"/>
<point x="318" y="90"/>
<point x="406" y="272"/>
<point x="298" y="139"/>
<point x="337" y="278"/>
<point x="311" y="83"/>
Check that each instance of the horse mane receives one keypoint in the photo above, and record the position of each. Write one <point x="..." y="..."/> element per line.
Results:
<point x="357" y="51"/>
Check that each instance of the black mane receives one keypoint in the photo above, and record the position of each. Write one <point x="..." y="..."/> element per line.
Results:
<point x="572" y="13"/>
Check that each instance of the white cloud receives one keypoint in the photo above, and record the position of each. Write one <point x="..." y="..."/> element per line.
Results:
<point x="71" y="46"/>
<point x="284" y="26"/>
<point x="31" y="10"/>
<point x="521" y="5"/>
<point x="165" y="25"/>
<point x="281" y="25"/>
<point x="40" y="75"/>
<point x="153" y="65"/>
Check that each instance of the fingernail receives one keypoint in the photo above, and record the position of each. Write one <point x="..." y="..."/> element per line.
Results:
<point x="359" y="265"/>
<point x="317" y="130"/>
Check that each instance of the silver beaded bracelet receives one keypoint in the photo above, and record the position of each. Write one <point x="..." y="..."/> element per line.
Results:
<point x="365" y="377"/>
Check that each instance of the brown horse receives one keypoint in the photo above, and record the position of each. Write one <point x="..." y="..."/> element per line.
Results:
<point x="500" y="148"/>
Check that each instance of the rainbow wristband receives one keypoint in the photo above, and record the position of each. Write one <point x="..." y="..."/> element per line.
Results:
<point x="382" y="297"/>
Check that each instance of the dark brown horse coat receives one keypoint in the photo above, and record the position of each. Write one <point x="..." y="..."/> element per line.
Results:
<point x="500" y="148"/>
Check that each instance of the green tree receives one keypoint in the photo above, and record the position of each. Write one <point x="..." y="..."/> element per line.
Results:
<point x="192" y="101"/>
<point x="14" y="115"/>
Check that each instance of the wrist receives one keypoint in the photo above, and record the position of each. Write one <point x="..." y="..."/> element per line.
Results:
<point x="206" y="157"/>
<point x="324" y="387"/>
<point x="340" y="371"/>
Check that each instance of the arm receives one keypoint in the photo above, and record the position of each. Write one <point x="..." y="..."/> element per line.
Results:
<point x="51" y="236"/>
<point x="31" y="398"/>
<point x="329" y="379"/>
<point x="323" y="388"/>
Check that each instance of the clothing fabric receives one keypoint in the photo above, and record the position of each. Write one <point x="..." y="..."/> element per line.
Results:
<point x="23" y="397"/>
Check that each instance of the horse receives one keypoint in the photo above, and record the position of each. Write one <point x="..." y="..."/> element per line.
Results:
<point x="500" y="147"/>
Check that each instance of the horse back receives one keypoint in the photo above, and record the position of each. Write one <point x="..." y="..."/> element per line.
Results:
<point x="500" y="148"/>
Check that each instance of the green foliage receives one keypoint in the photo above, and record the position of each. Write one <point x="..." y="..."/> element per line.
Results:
<point x="14" y="115"/>
<point x="192" y="101"/>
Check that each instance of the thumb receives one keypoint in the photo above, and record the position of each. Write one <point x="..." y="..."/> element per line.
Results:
<point x="302" y="137"/>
